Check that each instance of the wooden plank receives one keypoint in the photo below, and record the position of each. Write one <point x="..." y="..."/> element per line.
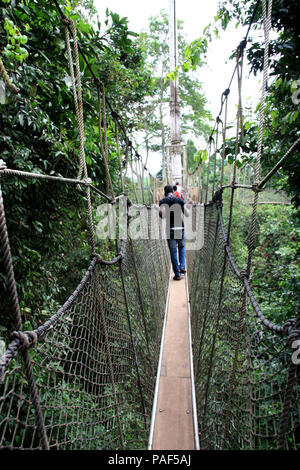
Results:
<point x="174" y="426"/>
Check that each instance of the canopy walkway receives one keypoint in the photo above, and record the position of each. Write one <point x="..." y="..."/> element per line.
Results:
<point x="174" y="410"/>
<point x="132" y="359"/>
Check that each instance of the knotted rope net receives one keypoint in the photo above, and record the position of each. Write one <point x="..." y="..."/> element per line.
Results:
<point x="94" y="361"/>
<point x="247" y="385"/>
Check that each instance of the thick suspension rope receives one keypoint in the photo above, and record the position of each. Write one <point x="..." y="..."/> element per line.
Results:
<point x="10" y="85"/>
<point x="267" y="18"/>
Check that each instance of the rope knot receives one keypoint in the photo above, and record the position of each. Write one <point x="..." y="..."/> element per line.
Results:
<point x="26" y="338"/>
<point x="293" y="336"/>
<point x="288" y="325"/>
<point x="97" y="82"/>
<point x="256" y="188"/>
<point x="99" y="257"/>
<point x="291" y="330"/>
<point x="243" y="273"/>
<point x="87" y="180"/>
<point x="2" y="165"/>
<point x="66" y="21"/>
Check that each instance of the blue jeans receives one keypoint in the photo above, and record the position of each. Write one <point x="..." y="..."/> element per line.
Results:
<point x="177" y="247"/>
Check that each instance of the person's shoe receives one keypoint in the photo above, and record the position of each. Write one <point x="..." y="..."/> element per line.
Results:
<point x="183" y="271"/>
<point x="177" y="278"/>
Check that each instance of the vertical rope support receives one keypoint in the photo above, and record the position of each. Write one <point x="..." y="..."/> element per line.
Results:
<point x="90" y="218"/>
<point x="208" y="169"/>
<point x="141" y="177"/>
<point x="105" y="148"/>
<point x="110" y="363"/>
<point x="215" y="160"/>
<point x="78" y="104"/>
<point x="202" y="181"/>
<point x="119" y="155"/>
<point x="267" y="18"/>
<point x="239" y="67"/>
<point x="132" y="180"/>
<point x="77" y="92"/>
<point x="133" y="346"/>
<point x="127" y="144"/>
<point x="224" y="126"/>
<point x="9" y="266"/>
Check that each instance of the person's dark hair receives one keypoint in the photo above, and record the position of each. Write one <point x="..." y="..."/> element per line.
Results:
<point x="177" y="183"/>
<point x="174" y="188"/>
<point x="168" y="189"/>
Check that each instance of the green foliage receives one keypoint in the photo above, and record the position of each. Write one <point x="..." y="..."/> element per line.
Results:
<point x="194" y="115"/>
<point x="47" y="222"/>
<point x="282" y="117"/>
<point x="15" y="40"/>
<point x="275" y="270"/>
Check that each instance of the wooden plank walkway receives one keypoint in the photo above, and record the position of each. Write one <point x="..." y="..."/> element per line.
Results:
<point x="173" y="418"/>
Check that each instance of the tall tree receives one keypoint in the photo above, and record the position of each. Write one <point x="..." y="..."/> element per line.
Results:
<point x="195" y="117"/>
<point x="282" y="116"/>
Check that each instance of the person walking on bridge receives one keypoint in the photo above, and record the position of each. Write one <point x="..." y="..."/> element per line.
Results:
<point x="172" y="209"/>
<point x="176" y="193"/>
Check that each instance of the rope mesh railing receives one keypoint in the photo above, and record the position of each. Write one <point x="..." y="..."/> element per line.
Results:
<point x="85" y="377"/>
<point x="246" y="378"/>
<point x="243" y="365"/>
<point x="94" y="362"/>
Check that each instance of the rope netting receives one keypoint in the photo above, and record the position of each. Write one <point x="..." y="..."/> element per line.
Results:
<point x="94" y="361"/>
<point x="243" y="367"/>
<point x="85" y="377"/>
<point x="247" y="382"/>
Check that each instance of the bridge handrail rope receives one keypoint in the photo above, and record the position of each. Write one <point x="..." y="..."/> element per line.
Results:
<point x="224" y="95"/>
<point x="100" y="87"/>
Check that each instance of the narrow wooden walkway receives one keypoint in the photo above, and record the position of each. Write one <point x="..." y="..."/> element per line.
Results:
<point x="173" y="414"/>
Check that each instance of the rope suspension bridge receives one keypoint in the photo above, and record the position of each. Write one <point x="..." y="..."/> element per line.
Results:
<point x="89" y="377"/>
